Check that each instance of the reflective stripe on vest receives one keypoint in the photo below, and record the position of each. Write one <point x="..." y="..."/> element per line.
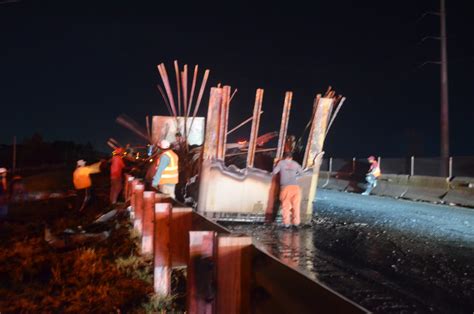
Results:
<point x="170" y="173"/>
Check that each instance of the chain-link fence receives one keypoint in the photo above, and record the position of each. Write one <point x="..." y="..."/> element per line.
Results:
<point x="421" y="166"/>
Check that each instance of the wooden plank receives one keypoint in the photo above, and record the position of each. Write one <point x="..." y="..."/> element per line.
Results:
<point x="148" y="219"/>
<point x="285" y="116"/>
<point x="314" y="153"/>
<point x="201" y="272"/>
<point x="222" y="128"/>
<point x="318" y="130"/>
<point x="212" y="124"/>
<point x="138" y="206"/>
<point x="255" y="126"/>
<point x="233" y="274"/>
<point x="181" y="223"/>
<point x="162" y="254"/>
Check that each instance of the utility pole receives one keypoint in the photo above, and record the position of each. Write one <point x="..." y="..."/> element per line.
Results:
<point x="444" y="91"/>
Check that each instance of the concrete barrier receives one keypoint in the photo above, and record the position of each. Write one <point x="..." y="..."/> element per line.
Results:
<point x="461" y="192"/>
<point x="338" y="182"/>
<point x="425" y="188"/>
<point x="391" y="185"/>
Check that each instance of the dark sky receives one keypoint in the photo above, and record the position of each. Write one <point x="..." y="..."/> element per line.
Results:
<point x="69" y="68"/>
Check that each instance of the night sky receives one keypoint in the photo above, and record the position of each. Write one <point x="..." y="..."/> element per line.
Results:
<point x="69" y="68"/>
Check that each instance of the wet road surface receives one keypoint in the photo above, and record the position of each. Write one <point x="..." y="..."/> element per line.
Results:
<point x="390" y="256"/>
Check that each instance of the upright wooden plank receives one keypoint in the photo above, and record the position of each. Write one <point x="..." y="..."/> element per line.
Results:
<point x="212" y="124"/>
<point x="255" y="126"/>
<point x="317" y="133"/>
<point x="138" y="197"/>
<point x="285" y="116"/>
<point x="181" y="223"/>
<point x="201" y="272"/>
<point x="315" y="153"/>
<point x="233" y="274"/>
<point x="162" y="254"/>
<point x="148" y="219"/>
<point x="225" y="126"/>
<point x="222" y="128"/>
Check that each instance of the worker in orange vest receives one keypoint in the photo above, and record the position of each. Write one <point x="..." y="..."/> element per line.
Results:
<point x="372" y="175"/>
<point x="83" y="183"/>
<point x="166" y="170"/>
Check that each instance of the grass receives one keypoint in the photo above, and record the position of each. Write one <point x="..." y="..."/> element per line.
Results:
<point x="105" y="277"/>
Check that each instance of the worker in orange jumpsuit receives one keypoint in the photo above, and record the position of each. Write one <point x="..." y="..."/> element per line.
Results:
<point x="166" y="170"/>
<point x="83" y="183"/>
<point x="116" y="173"/>
<point x="290" y="193"/>
<point x="372" y="175"/>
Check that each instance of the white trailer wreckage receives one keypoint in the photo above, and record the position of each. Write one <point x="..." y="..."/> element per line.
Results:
<point x="227" y="192"/>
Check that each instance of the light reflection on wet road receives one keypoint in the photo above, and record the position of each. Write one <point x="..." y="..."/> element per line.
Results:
<point x="387" y="255"/>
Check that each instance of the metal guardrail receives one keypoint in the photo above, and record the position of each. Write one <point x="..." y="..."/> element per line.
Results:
<point x="226" y="272"/>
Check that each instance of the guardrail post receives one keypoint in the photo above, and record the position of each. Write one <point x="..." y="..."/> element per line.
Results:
<point x="201" y="272"/>
<point x="126" y="187"/>
<point x="353" y="164"/>
<point x="412" y="165"/>
<point x="233" y="274"/>
<point x="330" y="165"/>
<point x="181" y="224"/>
<point x="162" y="252"/>
<point x="148" y="218"/>
<point x="138" y="206"/>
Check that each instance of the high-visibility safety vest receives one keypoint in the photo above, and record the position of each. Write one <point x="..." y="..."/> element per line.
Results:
<point x="170" y="175"/>
<point x="376" y="170"/>
<point x="81" y="176"/>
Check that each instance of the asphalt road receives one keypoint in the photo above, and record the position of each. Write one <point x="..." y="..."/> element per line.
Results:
<point x="390" y="256"/>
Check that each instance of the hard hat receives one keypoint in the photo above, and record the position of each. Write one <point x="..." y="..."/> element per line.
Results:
<point x="164" y="144"/>
<point x="81" y="163"/>
<point x="371" y="158"/>
<point x="3" y="170"/>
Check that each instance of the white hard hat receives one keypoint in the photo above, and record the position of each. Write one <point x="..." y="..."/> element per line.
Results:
<point x="3" y="170"/>
<point x="164" y="144"/>
<point x="81" y="163"/>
